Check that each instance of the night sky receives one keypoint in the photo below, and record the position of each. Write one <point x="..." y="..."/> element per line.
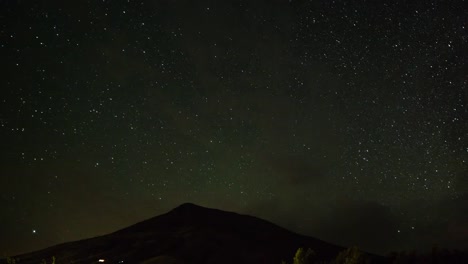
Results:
<point x="343" y="120"/>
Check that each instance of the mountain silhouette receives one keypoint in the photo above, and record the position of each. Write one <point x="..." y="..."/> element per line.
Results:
<point x="189" y="234"/>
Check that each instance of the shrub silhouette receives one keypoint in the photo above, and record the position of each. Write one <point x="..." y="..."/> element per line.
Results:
<point x="352" y="256"/>
<point x="303" y="257"/>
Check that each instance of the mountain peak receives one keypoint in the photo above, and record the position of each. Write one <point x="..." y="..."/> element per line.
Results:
<point x="190" y="209"/>
<point x="189" y="206"/>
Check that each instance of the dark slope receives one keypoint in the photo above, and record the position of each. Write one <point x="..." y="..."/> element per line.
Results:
<point x="189" y="234"/>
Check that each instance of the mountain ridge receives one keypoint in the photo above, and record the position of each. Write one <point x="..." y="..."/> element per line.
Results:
<point x="189" y="234"/>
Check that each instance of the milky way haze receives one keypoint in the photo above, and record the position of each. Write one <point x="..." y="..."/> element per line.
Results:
<point x="343" y="120"/>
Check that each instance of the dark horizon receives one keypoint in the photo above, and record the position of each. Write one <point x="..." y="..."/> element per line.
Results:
<point x="345" y="121"/>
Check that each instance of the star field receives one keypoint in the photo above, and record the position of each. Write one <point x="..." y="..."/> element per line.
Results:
<point x="336" y="119"/>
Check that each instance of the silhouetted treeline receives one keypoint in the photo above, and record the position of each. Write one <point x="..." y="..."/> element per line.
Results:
<point x="435" y="256"/>
<point x="354" y="256"/>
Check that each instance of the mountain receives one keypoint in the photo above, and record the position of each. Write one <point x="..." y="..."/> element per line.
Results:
<point x="189" y="234"/>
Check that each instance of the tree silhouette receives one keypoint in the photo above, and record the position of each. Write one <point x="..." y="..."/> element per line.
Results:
<point x="352" y="256"/>
<point x="303" y="256"/>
